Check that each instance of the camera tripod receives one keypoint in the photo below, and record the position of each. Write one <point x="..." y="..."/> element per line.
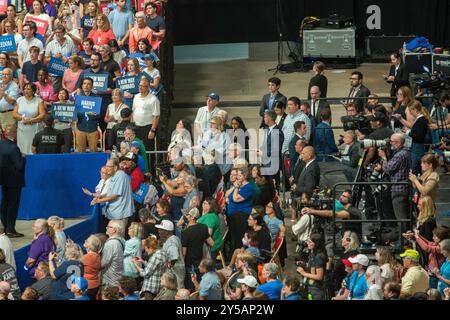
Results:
<point x="297" y="65"/>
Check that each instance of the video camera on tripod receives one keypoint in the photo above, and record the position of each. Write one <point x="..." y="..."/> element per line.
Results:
<point x="360" y="122"/>
<point x="432" y="82"/>
<point x="320" y="200"/>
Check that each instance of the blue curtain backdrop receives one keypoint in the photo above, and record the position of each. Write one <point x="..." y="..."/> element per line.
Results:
<point x="54" y="182"/>
<point x="78" y="233"/>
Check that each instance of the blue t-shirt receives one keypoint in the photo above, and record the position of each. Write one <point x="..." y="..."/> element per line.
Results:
<point x="87" y="23"/>
<point x="273" y="224"/>
<point x="131" y="297"/>
<point x="293" y="296"/>
<point x="358" y="285"/>
<point x="445" y="272"/>
<point x="31" y="70"/>
<point x="120" y="20"/>
<point x="60" y="289"/>
<point x="245" y="206"/>
<point x="82" y="298"/>
<point x="272" y="289"/>
<point x="210" y="286"/>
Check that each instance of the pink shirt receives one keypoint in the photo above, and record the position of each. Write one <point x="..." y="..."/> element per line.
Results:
<point x="46" y="93"/>
<point x="70" y="79"/>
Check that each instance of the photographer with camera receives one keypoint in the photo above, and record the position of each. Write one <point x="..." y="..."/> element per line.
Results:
<point x="398" y="167"/>
<point x="350" y="156"/>
<point x="343" y="210"/>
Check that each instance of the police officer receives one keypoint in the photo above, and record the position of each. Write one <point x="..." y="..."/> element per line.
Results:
<point x="48" y="140"/>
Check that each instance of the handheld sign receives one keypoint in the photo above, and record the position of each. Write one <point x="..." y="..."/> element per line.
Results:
<point x="86" y="104"/>
<point x="128" y="83"/>
<point x="64" y="112"/>
<point x="140" y="5"/>
<point x="57" y="67"/>
<point x="3" y="6"/>
<point x="155" y="44"/>
<point x="42" y="25"/>
<point x="8" y="43"/>
<point x="100" y="81"/>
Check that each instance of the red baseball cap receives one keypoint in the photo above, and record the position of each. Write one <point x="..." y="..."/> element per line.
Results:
<point x="346" y="262"/>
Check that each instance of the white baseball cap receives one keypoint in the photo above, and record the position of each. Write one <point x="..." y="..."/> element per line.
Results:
<point x="360" y="259"/>
<point x="165" y="225"/>
<point x="249" y="281"/>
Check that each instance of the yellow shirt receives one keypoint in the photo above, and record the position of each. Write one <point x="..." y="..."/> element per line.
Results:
<point x="415" y="280"/>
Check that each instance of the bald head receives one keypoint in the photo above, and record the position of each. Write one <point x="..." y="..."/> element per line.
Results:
<point x="314" y="92"/>
<point x="182" y="294"/>
<point x="308" y="154"/>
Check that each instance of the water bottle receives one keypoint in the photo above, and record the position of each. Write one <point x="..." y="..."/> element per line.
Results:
<point x="404" y="47"/>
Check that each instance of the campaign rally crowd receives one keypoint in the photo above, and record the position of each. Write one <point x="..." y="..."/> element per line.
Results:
<point x="209" y="223"/>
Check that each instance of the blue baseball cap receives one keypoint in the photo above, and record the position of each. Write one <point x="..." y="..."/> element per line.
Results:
<point x="214" y="96"/>
<point x="136" y="145"/>
<point x="80" y="282"/>
<point x="148" y="56"/>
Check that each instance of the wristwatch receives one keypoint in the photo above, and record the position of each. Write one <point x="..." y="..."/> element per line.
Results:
<point x="153" y="130"/>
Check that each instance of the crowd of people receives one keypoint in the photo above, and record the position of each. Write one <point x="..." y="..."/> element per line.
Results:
<point x="209" y="223"/>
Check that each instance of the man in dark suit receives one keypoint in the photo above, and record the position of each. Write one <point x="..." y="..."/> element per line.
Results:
<point x="324" y="137"/>
<point x="12" y="179"/>
<point x="269" y="100"/>
<point x="398" y="74"/>
<point x="358" y="90"/>
<point x="271" y="147"/>
<point x="309" y="177"/>
<point x="299" y="164"/>
<point x="300" y="132"/>
<point x="317" y="105"/>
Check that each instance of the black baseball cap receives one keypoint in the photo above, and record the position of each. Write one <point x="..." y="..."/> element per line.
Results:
<point x="378" y="116"/>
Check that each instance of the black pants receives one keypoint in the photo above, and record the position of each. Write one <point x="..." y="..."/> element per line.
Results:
<point x="237" y="225"/>
<point x="10" y="207"/>
<point x="68" y="140"/>
<point x="92" y="293"/>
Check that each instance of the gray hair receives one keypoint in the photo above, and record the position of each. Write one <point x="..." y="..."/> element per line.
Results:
<point x="117" y="226"/>
<point x="106" y="47"/>
<point x="401" y="136"/>
<point x="42" y="223"/>
<point x="271" y="114"/>
<point x="272" y="269"/>
<point x="125" y="145"/>
<point x="140" y="14"/>
<point x="445" y="245"/>
<point x="224" y="114"/>
<point x="183" y="294"/>
<point x="94" y="243"/>
<point x="190" y="180"/>
<point x="374" y="273"/>
<point x="5" y="287"/>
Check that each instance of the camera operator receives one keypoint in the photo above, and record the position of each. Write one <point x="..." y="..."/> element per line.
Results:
<point x="398" y="168"/>
<point x="378" y="122"/>
<point x="440" y="118"/>
<point x="343" y="210"/>
<point x="372" y="101"/>
<point x="350" y="156"/>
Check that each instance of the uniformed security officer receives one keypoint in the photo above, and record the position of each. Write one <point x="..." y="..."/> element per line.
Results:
<point x="48" y="140"/>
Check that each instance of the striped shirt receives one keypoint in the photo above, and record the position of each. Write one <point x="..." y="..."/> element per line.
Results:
<point x="153" y="272"/>
<point x="398" y="169"/>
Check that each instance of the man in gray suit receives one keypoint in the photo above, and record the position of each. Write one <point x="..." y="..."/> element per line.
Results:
<point x="270" y="100"/>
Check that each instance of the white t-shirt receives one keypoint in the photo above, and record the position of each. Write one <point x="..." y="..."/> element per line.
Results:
<point x="25" y="45"/>
<point x="115" y="114"/>
<point x="144" y="109"/>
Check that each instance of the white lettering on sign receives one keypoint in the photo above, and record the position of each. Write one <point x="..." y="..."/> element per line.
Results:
<point x="7" y="43"/>
<point x="88" y="104"/>
<point x="374" y="20"/>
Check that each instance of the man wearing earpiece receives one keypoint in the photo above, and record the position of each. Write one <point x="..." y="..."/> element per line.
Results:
<point x="344" y="210"/>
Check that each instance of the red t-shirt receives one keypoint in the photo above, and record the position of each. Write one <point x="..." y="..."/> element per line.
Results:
<point x="101" y="37"/>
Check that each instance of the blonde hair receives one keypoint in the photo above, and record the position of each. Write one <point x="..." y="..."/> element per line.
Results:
<point x="56" y="222"/>
<point x="136" y="230"/>
<point x="428" y="209"/>
<point x="417" y="106"/>
<point x="354" y="240"/>
<point x="94" y="242"/>
<point x="119" y="93"/>
<point x="46" y="228"/>
<point x="74" y="250"/>
<point x="150" y="243"/>
<point x="386" y="256"/>
<point x="408" y="97"/>
<point x="78" y="60"/>
<point x="351" y="134"/>
<point x="219" y="123"/>
<point x="106" y="23"/>
<point x="245" y="257"/>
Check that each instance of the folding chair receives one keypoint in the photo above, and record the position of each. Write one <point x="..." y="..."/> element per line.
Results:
<point x="275" y="258"/>
<point x="220" y="254"/>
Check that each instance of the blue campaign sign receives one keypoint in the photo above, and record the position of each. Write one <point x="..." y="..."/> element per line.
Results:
<point x="88" y="104"/>
<point x="8" y="43"/>
<point x="64" y="112"/>
<point x="100" y="81"/>
<point x="128" y="83"/>
<point x="57" y="67"/>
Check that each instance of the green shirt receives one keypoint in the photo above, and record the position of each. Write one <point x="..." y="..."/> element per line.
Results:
<point x="257" y="190"/>
<point x="143" y="153"/>
<point x="212" y="221"/>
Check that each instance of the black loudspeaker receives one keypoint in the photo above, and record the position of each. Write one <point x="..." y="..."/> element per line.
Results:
<point x="380" y="47"/>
